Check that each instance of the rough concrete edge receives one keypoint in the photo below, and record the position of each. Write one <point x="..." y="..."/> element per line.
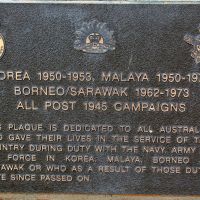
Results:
<point x="34" y="196"/>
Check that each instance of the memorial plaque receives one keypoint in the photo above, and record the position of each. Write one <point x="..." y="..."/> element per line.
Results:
<point x="100" y="98"/>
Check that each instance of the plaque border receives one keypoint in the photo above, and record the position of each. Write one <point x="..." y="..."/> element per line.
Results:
<point x="89" y="196"/>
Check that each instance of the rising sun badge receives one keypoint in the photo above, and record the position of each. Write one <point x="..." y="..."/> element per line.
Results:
<point x="94" y="37"/>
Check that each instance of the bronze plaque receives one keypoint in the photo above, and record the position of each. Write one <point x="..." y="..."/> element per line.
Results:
<point x="100" y="98"/>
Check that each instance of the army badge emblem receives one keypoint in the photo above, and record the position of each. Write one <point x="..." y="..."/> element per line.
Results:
<point x="195" y="41"/>
<point x="2" y="46"/>
<point x="94" y="37"/>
